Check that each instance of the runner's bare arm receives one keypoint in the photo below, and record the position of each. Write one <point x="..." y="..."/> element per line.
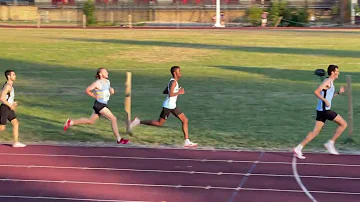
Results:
<point x="93" y="86"/>
<point x="324" y="85"/>
<point x="4" y="92"/>
<point x="172" y="87"/>
<point x="342" y="90"/>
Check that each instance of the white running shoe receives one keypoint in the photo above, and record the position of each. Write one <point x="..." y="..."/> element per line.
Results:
<point x="329" y="145"/>
<point x="298" y="153"/>
<point x="134" y="123"/>
<point x="18" y="144"/>
<point x="190" y="144"/>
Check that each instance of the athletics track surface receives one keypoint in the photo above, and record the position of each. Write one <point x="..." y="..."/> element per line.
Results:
<point x="68" y="173"/>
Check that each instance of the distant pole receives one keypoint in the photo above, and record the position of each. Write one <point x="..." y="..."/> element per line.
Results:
<point x="177" y="15"/>
<point x="218" y="23"/>
<point x="130" y="20"/>
<point x="350" y="110"/>
<point x="84" y="21"/>
<point x="38" y="21"/>
<point x="353" y="3"/>
<point x="343" y="6"/>
<point x="127" y="102"/>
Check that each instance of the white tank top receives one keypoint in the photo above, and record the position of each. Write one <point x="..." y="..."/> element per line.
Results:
<point x="328" y="95"/>
<point x="170" y="102"/>
<point x="11" y="95"/>
<point x="103" y="93"/>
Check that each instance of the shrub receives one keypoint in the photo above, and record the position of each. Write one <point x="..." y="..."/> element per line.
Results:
<point x="253" y="15"/>
<point x="89" y="10"/>
<point x="292" y="16"/>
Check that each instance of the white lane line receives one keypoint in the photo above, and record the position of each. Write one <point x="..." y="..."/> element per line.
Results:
<point x="63" y="199"/>
<point x="298" y="180"/>
<point x="177" y="171"/>
<point x="177" y="159"/>
<point x="171" y="186"/>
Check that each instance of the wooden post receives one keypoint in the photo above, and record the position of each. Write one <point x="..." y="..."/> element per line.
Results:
<point x="38" y="20"/>
<point x="278" y="21"/>
<point x="68" y="14"/>
<point x="343" y="4"/>
<point x="84" y="21"/>
<point x="3" y="16"/>
<point x="130" y="21"/>
<point x="177" y="15"/>
<point x="112" y="17"/>
<point x="127" y="103"/>
<point x="350" y="111"/>
<point x="47" y="16"/>
<point x="26" y="16"/>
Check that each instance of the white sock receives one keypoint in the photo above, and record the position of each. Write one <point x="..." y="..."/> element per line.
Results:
<point x="331" y="141"/>
<point x="300" y="147"/>
<point x="118" y="139"/>
<point x="135" y="122"/>
<point x="71" y="123"/>
<point x="187" y="141"/>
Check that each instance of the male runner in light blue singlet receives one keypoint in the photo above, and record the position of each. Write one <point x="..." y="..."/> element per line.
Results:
<point x="100" y="90"/>
<point x="325" y="93"/>
<point x="173" y="90"/>
<point x="8" y="106"/>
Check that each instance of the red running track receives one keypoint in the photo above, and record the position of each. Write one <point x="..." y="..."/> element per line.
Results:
<point x="64" y="173"/>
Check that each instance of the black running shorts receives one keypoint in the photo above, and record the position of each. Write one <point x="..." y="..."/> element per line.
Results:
<point x="166" y="112"/>
<point x="6" y="114"/>
<point x="325" y="115"/>
<point x="98" y="107"/>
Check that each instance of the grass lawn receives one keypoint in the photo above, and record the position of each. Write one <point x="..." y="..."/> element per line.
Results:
<point x="243" y="89"/>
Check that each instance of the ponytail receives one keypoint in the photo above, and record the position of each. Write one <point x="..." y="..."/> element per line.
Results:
<point x="97" y="75"/>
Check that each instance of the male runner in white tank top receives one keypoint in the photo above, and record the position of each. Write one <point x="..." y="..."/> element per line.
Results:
<point x="325" y="93"/>
<point x="8" y="106"/>
<point x="173" y="90"/>
<point x="100" y="90"/>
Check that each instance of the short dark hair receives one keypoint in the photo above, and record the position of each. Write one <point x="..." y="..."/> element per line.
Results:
<point x="98" y="72"/>
<point x="331" y="68"/>
<point x="8" y="72"/>
<point x="173" y="69"/>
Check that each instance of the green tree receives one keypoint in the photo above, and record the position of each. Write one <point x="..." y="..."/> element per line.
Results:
<point x="89" y="11"/>
<point x="253" y="15"/>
